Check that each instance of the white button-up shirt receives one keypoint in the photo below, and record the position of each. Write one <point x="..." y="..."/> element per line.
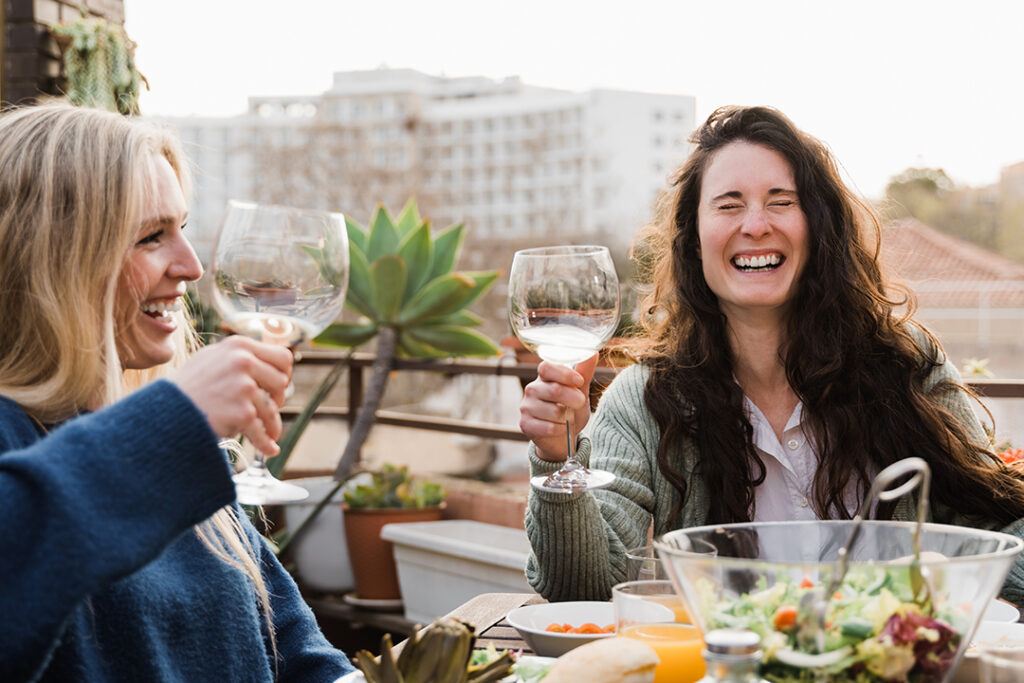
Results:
<point x="790" y="464"/>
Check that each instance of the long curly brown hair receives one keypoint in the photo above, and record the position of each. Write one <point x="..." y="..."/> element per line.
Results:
<point x="851" y="358"/>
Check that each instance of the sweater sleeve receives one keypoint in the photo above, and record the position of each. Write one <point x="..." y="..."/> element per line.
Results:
<point x="579" y="539"/>
<point x="303" y="653"/>
<point x="92" y="502"/>
<point x="959" y="405"/>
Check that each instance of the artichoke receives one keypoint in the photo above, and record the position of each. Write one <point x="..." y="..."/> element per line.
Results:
<point x="439" y="654"/>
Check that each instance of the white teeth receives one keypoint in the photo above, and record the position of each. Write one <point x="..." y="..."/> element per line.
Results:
<point x="762" y="261"/>
<point x="161" y="308"/>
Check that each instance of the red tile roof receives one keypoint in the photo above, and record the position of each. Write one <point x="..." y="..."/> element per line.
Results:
<point x="946" y="272"/>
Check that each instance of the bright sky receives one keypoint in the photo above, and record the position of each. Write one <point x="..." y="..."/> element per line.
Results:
<point x="887" y="84"/>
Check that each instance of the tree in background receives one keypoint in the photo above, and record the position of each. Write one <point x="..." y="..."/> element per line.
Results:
<point x="976" y="215"/>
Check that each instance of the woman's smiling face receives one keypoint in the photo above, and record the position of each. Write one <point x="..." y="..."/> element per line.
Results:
<point x="752" y="229"/>
<point x="153" y="280"/>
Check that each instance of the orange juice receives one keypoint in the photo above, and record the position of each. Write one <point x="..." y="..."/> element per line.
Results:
<point x="678" y="646"/>
<point x="682" y="614"/>
<point x="678" y="607"/>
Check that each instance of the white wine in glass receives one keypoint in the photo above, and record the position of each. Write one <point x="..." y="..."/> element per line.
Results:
<point x="279" y="276"/>
<point x="563" y="304"/>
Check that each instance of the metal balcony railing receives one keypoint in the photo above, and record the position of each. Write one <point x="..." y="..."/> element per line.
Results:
<point x="525" y="372"/>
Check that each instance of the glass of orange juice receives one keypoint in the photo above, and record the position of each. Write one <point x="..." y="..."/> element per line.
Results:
<point x="652" y="611"/>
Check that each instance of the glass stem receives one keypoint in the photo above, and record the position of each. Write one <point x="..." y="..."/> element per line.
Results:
<point x="571" y="463"/>
<point x="259" y="461"/>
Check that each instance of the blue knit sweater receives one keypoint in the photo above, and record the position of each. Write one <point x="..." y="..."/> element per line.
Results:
<point x="102" y="577"/>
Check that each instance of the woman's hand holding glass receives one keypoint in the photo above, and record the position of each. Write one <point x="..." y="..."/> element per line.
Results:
<point x="545" y="400"/>
<point x="239" y="384"/>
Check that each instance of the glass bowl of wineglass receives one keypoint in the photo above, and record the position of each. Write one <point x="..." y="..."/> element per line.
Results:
<point x="279" y="275"/>
<point x="563" y="304"/>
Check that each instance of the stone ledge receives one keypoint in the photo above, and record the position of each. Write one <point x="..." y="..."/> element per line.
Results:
<point x="500" y="503"/>
<point x="496" y="503"/>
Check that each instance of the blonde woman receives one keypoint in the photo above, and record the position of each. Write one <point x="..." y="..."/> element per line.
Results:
<point x="125" y="557"/>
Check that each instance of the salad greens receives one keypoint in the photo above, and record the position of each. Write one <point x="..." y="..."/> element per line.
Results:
<point x="874" y="629"/>
<point x="526" y="669"/>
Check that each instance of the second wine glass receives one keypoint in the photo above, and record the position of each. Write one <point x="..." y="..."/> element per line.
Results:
<point x="563" y="305"/>
<point x="279" y="276"/>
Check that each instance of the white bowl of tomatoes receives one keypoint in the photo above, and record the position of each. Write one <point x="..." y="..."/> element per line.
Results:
<point x="552" y="629"/>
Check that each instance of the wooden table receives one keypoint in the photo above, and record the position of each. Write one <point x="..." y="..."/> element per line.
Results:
<point x="486" y="612"/>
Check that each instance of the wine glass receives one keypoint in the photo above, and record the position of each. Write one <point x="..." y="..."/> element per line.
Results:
<point x="563" y="304"/>
<point x="279" y="276"/>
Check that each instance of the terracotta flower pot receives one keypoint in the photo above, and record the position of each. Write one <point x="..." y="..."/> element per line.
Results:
<point x="373" y="563"/>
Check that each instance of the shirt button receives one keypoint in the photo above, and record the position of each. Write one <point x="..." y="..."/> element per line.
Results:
<point x="793" y="444"/>
<point x="804" y="502"/>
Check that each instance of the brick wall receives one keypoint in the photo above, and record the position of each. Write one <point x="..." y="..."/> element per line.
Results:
<point x="31" y="59"/>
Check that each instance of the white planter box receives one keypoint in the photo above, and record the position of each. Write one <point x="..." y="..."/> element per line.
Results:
<point x="441" y="565"/>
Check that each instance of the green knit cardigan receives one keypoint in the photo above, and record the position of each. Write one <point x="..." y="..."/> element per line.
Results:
<point x="579" y="540"/>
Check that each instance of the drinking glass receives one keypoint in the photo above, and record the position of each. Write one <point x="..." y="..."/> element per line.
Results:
<point x="652" y="612"/>
<point x="563" y="305"/>
<point x="642" y="564"/>
<point x="279" y="276"/>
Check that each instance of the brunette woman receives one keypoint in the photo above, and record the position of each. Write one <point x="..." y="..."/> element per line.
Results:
<point x="780" y="372"/>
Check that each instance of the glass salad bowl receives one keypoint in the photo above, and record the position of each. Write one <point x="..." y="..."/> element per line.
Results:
<point x="849" y="600"/>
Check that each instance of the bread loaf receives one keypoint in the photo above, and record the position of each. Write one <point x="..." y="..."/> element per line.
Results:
<point x="609" y="660"/>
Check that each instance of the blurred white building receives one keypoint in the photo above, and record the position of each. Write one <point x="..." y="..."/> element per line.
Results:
<point x="511" y="160"/>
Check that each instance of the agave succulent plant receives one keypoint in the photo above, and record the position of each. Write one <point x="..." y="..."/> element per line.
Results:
<point x="402" y="287"/>
<point x="409" y="299"/>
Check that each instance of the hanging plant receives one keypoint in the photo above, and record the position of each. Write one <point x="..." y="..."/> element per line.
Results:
<point x="99" y="64"/>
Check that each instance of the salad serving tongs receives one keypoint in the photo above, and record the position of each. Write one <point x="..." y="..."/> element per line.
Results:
<point x="814" y="603"/>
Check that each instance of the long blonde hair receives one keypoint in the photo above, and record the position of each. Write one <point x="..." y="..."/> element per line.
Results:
<point x="71" y="192"/>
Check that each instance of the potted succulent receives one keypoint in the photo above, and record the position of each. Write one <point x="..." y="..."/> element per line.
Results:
<point x="99" y="64"/>
<point x="373" y="499"/>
